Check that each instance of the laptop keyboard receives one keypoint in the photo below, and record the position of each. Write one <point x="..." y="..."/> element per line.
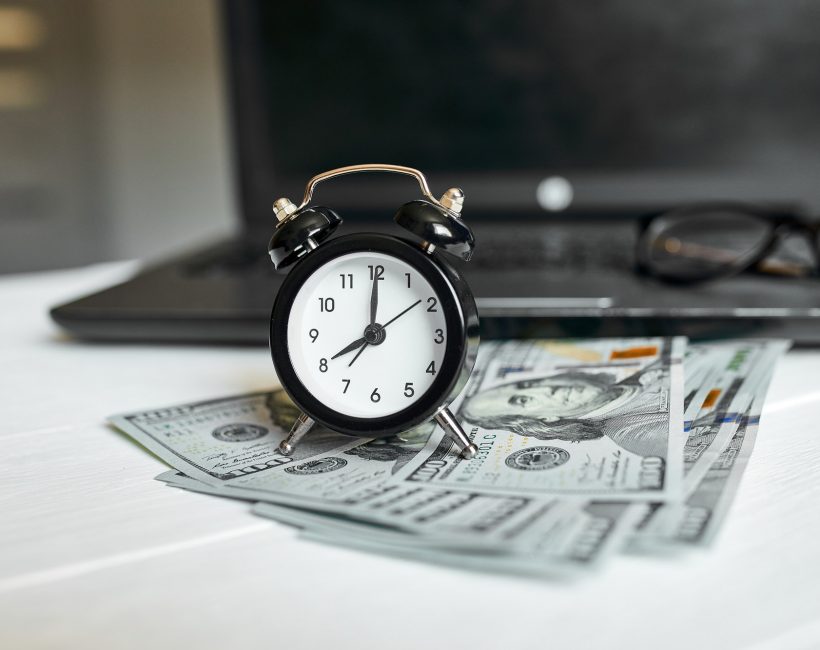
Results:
<point x="582" y="251"/>
<point x="564" y="249"/>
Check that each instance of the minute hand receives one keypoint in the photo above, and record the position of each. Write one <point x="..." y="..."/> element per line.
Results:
<point x="397" y="316"/>
<point x="374" y="298"/>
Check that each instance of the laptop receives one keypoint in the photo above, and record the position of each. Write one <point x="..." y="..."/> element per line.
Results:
<point x="564" y="123"/>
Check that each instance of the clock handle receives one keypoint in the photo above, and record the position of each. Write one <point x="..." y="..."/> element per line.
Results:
<point x="371" y="167"/>
<point x="301" y="427"/>
<point x="447" y="421"/>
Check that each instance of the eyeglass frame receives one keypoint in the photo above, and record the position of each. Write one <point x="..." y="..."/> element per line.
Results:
<point x="781" y="223"/>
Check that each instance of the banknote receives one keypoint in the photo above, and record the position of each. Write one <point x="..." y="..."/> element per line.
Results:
<point x="575" y="538"/>
<point x="586" y="446"/>
<point x="697" y="520"/>
<point x="452" y="519"/>
<point x="345" y="478"/>
<point x="601" y="419"/>
<point x="218" y="440"/>
<point x="232" y="443"/>
<point x="461" y="520"/>
<point x="230" y="446"/>
<point x="725" y="395"/>
<point x="701" y="364"/>
<point x="352" y="475"/>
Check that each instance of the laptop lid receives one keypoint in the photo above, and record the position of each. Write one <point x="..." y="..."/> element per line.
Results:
<point x="532" y="107"/>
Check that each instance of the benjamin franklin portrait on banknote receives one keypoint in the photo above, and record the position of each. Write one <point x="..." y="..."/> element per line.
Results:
<point x="575" y="406"/>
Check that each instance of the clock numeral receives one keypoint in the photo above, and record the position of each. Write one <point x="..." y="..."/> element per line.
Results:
<point x="313" y="334"/>
<point x="407" y="275"/>
<point x="432" y="302"/>
<point x="327" y="304"/>
<point x="323" y="365"/>
<point x="374" y="396"/>
<point x="431" y="369"/>
<point x="347" y="280"/>
<point x="439" y="336"/>
<point x="408" y="389"/>
<point x="377" y="270"/>
<point x="346" y="382"/>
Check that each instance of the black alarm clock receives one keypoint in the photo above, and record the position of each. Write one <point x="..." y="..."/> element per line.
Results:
<point x="370" y="334"/>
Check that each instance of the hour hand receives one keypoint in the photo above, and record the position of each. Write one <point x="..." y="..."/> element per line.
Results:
<point x="357" y="343"/>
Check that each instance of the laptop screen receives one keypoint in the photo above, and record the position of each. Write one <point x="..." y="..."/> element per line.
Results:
<point x="625" y="99"/>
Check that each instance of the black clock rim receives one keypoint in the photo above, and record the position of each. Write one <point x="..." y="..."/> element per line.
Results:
<point x="455" y="346"/>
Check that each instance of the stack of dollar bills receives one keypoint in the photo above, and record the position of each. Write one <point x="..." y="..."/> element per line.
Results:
<point x="585" y="448"/>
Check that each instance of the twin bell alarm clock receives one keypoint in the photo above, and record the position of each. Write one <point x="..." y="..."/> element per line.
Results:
<point x="372" y="335"/>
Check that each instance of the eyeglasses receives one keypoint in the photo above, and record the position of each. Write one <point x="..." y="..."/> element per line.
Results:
<point x="706" y="242"/>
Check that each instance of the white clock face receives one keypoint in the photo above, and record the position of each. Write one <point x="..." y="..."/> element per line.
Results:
<point x="347" y="363"/>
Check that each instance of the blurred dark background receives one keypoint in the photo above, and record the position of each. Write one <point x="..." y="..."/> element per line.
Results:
<point x="115" y="129"/>
<point x="514" y="86"/>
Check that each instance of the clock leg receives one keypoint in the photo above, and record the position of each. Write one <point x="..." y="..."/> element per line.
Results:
<point x="452" y="428"/>
<point x="302" y="425"/>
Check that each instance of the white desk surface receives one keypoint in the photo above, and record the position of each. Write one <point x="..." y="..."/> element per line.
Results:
<point x="96" y="554"/>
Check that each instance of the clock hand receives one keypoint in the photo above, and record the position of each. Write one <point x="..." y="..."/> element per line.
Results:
<point x="374" y="298"/>
<point x="349" y="348"/>
<point x="401" y="314"/>
<point x="357" y="354"/>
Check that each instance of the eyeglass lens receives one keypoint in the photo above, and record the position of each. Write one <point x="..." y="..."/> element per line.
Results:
<point x="697" y="245"/>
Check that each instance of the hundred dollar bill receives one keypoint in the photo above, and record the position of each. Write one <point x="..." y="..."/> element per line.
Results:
<point x="605" y="402"/>
<point x="218" y="440"/>
<point x="230" y="445"/>
<point x="435" y="520"/>
<point x="577" y="538"/>
<point x="357" y="480"/>
<point x="700" y="365"/>
<point x="601" y="419"/>
<point x="723" y="397"/>
<point x="337" y="480"/>
<point x="441" y="519"/>
<point x="447" y="518"/>
<point x="699" y="518"/>
<point x="450" y="519"/>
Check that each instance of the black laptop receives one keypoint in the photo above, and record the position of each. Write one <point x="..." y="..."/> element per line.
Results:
<point x="565" y="124"/>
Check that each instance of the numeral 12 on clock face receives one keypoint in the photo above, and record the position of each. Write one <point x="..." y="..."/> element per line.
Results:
<point x="367" y="334"/>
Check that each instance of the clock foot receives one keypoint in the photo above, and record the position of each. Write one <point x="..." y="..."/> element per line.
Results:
<point x="302" y="425"/>
<point x="452" y="428"/>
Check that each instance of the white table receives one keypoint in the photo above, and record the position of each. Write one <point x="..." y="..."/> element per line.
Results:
<point x="96" y="554"/>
